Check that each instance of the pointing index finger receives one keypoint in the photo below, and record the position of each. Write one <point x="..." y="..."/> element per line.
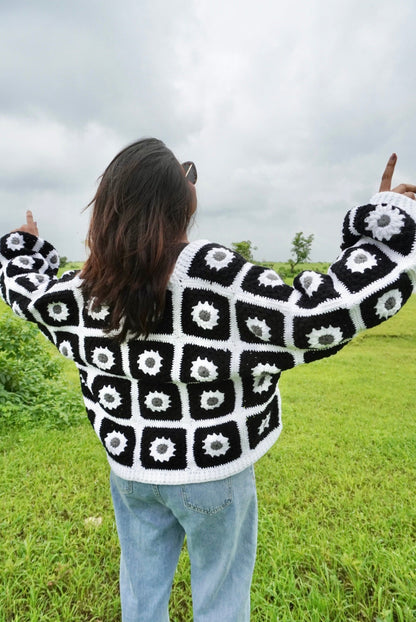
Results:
<point x="29" y="217"/>
<point x="387" y="176"/>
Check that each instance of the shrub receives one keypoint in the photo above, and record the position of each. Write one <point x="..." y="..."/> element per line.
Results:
<point x="33" y="389"/>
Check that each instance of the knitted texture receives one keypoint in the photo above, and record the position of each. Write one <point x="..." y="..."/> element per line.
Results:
<point x="198" y="399"/>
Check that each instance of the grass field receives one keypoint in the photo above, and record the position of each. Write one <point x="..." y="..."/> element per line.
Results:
<point x="337" y="525"/>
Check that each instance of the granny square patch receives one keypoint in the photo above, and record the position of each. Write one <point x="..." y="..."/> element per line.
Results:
<point x="216" y="445"/>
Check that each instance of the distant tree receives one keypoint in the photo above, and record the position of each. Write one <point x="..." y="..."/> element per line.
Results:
<point x="301" y="249"/>
<point x="245" y="249"/>
<point x="63" y="261"/>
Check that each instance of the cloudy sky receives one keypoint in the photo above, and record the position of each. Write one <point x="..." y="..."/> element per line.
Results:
<point x="289" y="109"/>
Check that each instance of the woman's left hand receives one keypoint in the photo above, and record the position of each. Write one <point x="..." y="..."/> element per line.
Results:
<point x="31" y="226"/>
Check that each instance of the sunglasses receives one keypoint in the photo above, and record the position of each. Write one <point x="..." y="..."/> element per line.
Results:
<point x="190" y="172"/>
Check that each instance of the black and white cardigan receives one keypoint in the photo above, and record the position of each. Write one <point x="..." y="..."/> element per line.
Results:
<point x="198" y="399"/>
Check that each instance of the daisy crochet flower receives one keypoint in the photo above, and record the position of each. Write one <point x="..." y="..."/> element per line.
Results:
<point x="384" y="222"/>
<point x="103" y="358"/>
<point x="389" y="303"/>
<point x="360" y="260"/>
<point x="324" y="337"/>
<point x="218" y="258"/>
<point x="259" y="328"/>
<point x="23" y="261"/>
<point x="65" y="349"/>
<point x="269" y="278"/>
<point x="211" y="399"/>
<point x="310" y="282"/>
<point x="150" y="362"/>
<point x="216" y="445"/>
<point x="109" y="397"/>
<point x="205" y="315"/>
<point x="15" y="241"/>
<point x="162" y="449"/>
<point x="99" y="312"/>
<point x="115" y="443"/>
<point x="262" y="376"/>
<point x="204" y="370"/>
<point x="157" y="401"/>
<point x="58" y="311"/>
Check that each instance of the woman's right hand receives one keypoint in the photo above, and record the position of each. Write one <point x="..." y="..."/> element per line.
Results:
<point x="31" y="226"/>
<point x="408" y="190"/>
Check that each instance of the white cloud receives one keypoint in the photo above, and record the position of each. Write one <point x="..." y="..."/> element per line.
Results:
<point x="290" y="110"/>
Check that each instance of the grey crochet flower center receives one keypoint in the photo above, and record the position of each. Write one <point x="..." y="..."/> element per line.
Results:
<point x="103" y="358"/>
<point x="219" y="255"/>
<point x="360" y="258"/>
<point x="203" y="372"/>
<point x="257" y="330"/>
<point x="157" y="401"/>
<point x="162" y="448"/>
<point x="205" y="315"/>
<point x="215" y="445"/>
<point x="384" y="220"/>
<point x="212" y="401"/>
<point x="390" y="303"/>
<point x="150" y="362"/>
<point x="325" y="340"/>
<point x="115" y="442"/>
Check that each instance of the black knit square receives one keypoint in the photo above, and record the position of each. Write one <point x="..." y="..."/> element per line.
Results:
<point x="160" y="401"/>
<point x="203" y="364"/>
<point x="387" y="302"/>
<point x="113" y="395"/>
<point x="205" y="314"/>
<point x="217" y="264"/>
<point x="150" y="360"/>
<point x="103" y="354"/>
<point x="360" y="265"/>
<point x="211" y="399"/>
<point x="217" y="445"/>
<point x="119" y="441"/>
<point x="260" y="425"/>
<point x="258" y="324"/>
<point x="265" y="282"/>
<point x="260" y="374"/>
<point x="68" y="345"/>
<point x="32" y="281"/>
<point x="163" y="448"/>
<point x="322" y="331"/>
<point x="95" y="316"/>
<point x="314" y="288"/>
<point x="24" y="264"/>
<point x="388" y="224"/>
<point x="58" y="308"/>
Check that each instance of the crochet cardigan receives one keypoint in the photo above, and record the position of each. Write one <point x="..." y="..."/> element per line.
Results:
<point x="198" y="399"/>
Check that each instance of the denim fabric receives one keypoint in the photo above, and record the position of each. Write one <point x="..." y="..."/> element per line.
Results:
<point x="219" y="520"/>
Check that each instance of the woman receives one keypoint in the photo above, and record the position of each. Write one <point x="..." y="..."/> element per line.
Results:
<point x="180" y="347"/>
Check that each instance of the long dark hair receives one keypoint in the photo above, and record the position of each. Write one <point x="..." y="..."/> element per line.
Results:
<point x="141" y="212"/>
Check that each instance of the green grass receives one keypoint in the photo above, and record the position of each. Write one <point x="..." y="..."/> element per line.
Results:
<point x="337" y="519"/>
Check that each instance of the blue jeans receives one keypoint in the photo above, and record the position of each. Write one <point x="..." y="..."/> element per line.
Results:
<point x="219" y="520"/>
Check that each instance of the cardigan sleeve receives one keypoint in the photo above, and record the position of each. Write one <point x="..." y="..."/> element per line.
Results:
<point x="368" y="283"/>
<point x="28" y="268"/>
